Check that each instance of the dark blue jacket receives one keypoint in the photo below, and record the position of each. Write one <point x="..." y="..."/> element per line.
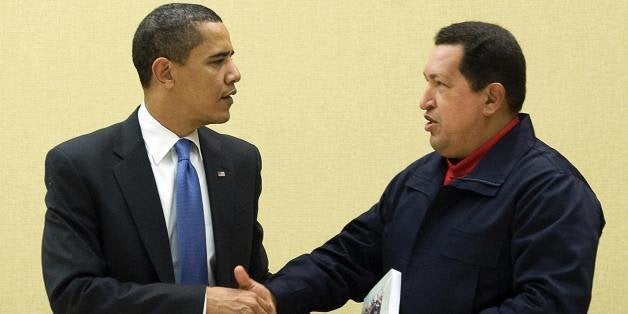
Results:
<point x="519" y="234"/>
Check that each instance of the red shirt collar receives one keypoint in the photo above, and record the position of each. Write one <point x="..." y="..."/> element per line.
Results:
<point x="465" y="166"/>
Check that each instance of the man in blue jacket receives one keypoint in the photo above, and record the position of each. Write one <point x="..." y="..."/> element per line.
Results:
<point x="493" y="221"/>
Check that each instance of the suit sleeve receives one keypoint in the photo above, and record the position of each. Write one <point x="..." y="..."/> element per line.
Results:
<point x="346" y="267"/>
<point x="74" y="269"/>
<point x="554" y="244"/>
<point x="258" y="268"/>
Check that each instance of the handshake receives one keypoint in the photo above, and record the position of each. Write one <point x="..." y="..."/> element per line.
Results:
<point x="251" y="297"/>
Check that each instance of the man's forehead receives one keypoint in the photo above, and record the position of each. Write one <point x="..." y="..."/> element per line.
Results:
<point x="215" y="37"/>
<point x="446" y="53"/>
<point x="211" y="28"/>
<point x="443" y="59"/>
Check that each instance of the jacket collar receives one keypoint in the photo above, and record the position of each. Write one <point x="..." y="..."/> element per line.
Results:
<point x="490" y="173"/>
<point x="222" y="187"/>
<point x="137" y="184"/>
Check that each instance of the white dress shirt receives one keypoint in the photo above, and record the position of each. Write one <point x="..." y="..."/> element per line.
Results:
<point x="159" y="143"/>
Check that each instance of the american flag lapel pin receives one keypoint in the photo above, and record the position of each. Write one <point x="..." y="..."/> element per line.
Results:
<point x="221" y="173"/>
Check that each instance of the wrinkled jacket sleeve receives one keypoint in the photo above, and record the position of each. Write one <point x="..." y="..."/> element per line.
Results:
<point x="554" y="242"/>
<point x="346" y="267"/>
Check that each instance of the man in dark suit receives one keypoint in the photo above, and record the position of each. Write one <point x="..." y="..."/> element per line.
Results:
<point x="493" y="221"/>
<point x="121" y="228"/>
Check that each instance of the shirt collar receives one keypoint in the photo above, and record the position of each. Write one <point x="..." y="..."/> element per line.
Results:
<point x="463" y="167"/>
<point x="159" y="140"/>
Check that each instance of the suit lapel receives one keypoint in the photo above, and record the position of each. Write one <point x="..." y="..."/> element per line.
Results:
<point x="137" y="183"/>
<point x="222" y="187"/>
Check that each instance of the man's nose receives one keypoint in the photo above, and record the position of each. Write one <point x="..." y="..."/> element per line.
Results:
<point x="427" y="99"/>
<point x="233" y="74"/>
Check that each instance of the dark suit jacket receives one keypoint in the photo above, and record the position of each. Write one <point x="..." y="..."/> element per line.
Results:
<point x="105" y="245"/>
<point x="519" y="234"/>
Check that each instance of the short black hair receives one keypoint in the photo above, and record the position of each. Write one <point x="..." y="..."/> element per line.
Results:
<point x="169" y="31"/>
<point x="491" y="54"/>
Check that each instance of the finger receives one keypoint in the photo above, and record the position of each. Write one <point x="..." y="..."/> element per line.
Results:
<point x="267" y="306"/>
<point x="242" y="277"/>
<point x="258" y="305"/>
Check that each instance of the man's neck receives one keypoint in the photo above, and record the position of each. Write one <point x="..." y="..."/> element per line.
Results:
<point x="166" y="116"/>
<point x="458" y="168"/>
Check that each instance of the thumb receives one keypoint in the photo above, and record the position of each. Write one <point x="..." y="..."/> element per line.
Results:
<point x="242" y="277"/>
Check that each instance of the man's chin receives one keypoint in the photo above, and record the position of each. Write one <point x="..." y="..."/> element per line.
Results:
<point x="439" y="147"/>
<point x="218" y="120"/>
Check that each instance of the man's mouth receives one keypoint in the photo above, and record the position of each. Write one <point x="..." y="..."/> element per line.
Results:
<point x="229" y="94"/>
<point x="430" y="122"/>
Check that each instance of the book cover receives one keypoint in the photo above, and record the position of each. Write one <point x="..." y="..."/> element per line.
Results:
<point x="385" y="295"/>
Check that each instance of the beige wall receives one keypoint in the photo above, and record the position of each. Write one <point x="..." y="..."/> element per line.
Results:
<point x="329" y="94"/>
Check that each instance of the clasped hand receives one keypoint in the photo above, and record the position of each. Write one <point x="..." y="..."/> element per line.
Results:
<point x="251" y="297"/>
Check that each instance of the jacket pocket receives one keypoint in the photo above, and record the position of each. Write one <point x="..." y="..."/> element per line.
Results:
<point x="471" y="249"/>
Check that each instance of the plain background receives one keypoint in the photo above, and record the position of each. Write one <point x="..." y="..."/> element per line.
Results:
<point x="329" y="93"/>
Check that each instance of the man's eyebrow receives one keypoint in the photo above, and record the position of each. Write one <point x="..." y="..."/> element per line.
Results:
<point x="434" y="76"/>
<point x="222" y="54"/>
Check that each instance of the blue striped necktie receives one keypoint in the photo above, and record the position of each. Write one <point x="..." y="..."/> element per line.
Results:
<point x="192" y="251"/>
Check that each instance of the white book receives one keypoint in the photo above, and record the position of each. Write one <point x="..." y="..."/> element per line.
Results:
<point x="385" y="295"/>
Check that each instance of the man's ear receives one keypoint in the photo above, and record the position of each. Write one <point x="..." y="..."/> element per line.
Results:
<point x="162" y="72"/>
<point x="495" y="98"/>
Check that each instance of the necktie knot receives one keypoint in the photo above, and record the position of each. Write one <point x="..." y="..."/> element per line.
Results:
<point x="182" y="147"/>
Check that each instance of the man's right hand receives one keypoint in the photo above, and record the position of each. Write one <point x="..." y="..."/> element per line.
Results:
<point x="247" y="284"/>
<point x="227" y="300"/>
